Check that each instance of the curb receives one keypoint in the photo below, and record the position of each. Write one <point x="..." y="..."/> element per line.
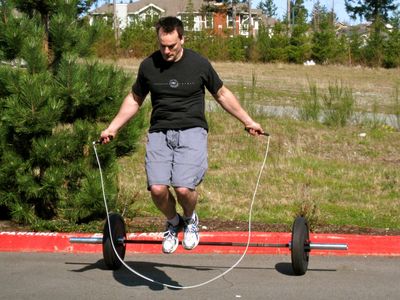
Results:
<point x="360" y="245"/>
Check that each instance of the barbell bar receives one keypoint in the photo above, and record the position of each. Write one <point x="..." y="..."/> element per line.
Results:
<point x="310" y="246"/>
<point x="300" y="244"/>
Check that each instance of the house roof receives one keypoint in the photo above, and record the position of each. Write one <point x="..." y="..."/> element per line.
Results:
<point x="104" y="9"/>
<point x="171" y="7"/>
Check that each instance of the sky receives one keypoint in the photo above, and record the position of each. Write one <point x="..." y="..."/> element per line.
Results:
<point x="281" y="5"/>
<point x="337" y="4"/>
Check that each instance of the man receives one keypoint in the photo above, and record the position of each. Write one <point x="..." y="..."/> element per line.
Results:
<point x="176" y="150"/>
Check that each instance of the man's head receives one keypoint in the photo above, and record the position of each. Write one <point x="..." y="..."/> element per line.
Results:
<point x="170" y="38"/>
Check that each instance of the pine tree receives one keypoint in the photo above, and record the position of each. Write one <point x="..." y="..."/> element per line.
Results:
<point x="299" y="48"/>
<point x="392" y="43"/>
<point x="324" y="42"/>
<point x="139" y="38"/>
<point x="371" y="10"/>
<point x="188" y="19"/>
<point x="356" y="45"/>
<point x="272" y="43"/>
<point x="51" y="111"/>
<point x="379" y="48"/>
<point x="268" y="8"/>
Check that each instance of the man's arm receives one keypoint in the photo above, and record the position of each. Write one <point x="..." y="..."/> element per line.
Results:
<point x="231" y="104"/>
<point x="129" y="107"/>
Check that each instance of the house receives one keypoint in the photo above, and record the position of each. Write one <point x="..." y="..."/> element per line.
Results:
<point x="245" y="23"/>
<point x="202" y="14"/>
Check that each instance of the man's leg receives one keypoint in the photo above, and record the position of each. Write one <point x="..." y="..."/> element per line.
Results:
<point x="187" y="198"/>
<point x="166" y="203"/>
<point x="164" y="200"/>
<point x="190" y="165"/>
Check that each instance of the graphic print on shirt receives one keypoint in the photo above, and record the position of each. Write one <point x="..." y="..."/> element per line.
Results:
<point x="173" y="83"/>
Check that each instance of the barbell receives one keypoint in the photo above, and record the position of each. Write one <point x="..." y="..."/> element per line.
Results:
<point x="300" y="245"/>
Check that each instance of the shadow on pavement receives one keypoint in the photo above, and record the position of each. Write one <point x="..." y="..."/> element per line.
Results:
<point x="286" y="269"/>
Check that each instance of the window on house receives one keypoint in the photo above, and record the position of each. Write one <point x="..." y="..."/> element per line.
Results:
<point x="229" y="21"/>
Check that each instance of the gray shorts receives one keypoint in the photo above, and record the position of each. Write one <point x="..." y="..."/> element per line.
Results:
<point x="176" y="158"/>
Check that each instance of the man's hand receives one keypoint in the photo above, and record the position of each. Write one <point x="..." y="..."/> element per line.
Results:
<point x="106" y="136"/>
<point x="255" y="129"/>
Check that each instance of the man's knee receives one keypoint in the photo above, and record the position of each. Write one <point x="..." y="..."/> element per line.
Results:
<point x="158" y="191"/>
<point x="183" y="192"/>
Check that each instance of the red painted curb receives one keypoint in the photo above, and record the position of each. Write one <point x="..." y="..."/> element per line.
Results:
<point x="363" y="245"/>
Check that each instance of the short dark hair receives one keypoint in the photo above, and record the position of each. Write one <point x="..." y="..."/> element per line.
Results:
<point x="169" y="24"/>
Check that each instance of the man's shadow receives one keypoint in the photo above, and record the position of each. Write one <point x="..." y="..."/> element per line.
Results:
<point x="150" y="270"/>
<point x="154" y="272"/>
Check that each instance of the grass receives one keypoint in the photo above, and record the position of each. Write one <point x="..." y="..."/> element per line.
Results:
<point x="396" y="104"/>
<point x="332" y="175"/>
<point x="346" y="175"/>
<point x="284" y="84"/>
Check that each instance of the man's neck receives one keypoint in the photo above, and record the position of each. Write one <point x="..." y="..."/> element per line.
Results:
<point x="179" y="56"/>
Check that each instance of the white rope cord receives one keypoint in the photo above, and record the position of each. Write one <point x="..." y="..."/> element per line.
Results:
<point x="205" y="282"/>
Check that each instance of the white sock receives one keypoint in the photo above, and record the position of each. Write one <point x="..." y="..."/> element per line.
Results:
<point x="191" y="217"/>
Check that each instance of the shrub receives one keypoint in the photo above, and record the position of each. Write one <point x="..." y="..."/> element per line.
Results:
<point x="50" y="113"/>
<point x="338" y="105"/>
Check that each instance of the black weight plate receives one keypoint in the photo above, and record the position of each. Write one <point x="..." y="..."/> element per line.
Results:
<point x="300" y="239"/>
<point x="117" y="233"/>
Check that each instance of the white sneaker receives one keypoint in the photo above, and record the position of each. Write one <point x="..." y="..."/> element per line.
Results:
<point x="170" y="240"/>
<point x="191" y="233"/>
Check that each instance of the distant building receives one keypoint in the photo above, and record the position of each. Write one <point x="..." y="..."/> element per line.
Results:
<point x="363" y="30"/>
<point x="202" y="14"/>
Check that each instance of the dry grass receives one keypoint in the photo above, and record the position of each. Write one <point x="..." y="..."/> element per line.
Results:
<point x="333" y="175"/>
<point x="283" y="84"/>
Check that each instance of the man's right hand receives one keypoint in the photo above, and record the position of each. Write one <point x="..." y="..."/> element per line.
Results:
<point x="106" y="136"/>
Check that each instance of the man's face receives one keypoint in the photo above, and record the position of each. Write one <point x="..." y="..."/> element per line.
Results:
<point x="170" y="45"/>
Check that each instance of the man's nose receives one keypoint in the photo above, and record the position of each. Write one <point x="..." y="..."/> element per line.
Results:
<point x="166" y="50"/>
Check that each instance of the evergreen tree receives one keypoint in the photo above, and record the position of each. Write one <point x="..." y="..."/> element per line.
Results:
<point x="392" y="43"/>
<point x="272" y="43"/>
<point x="268" y="8"/>
<point x="188" y="18"/>
<point x="237" y="47"/>
<point x="356" y="45"/>
<point x="377" y="12"/>
<point x="299" y="12"/>
<point x="299" y="48"/>
<point x="321" y="15"/>
<point x="324" y="42"/>
<point x="139" y="38"/>
<point x="51" y="111"/>
<point x="373" y="52"/>
<point x="371" y="10"/>
<point x="47" y="8"/>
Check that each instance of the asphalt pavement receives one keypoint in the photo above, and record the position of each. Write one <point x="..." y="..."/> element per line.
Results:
<point x="83" y="276"/>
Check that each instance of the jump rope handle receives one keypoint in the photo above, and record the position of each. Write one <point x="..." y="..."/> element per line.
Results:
<point x="260" y="133"/>
<point x="100" y="141"/>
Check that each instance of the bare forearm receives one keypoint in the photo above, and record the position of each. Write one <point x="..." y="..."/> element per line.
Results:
<point x="231" y="104"/>
<point x="127" y="110"/>
<point x="130" y="106"/>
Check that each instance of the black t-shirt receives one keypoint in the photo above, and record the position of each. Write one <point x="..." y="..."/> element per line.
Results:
<point x="177" y="89"/>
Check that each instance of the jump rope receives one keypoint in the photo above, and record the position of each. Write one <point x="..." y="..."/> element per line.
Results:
<point x="202" y="283"/>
